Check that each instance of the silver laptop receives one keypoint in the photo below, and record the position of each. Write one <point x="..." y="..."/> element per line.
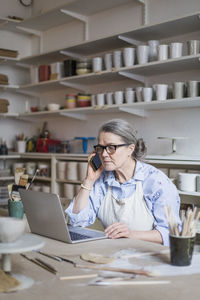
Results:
<point x="45" y="216"/>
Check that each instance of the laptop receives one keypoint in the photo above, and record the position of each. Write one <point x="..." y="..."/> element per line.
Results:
<point x="45" y="216"/>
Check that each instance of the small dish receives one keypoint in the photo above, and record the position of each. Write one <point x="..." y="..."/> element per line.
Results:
<point x="53" y="106"/>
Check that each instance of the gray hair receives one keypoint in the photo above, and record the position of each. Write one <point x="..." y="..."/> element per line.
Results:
<point x="124" y="130"/>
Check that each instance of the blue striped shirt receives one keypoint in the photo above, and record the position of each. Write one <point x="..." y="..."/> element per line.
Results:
<point x="158" y="191"/>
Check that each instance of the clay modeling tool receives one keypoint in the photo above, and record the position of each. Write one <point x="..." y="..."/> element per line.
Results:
<point x="48" y="255"/>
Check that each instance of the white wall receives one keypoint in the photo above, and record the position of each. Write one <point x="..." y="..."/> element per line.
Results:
<point x="179" y="122"/>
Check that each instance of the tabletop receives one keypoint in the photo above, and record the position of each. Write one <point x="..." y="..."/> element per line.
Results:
<point x="49" y="286"/>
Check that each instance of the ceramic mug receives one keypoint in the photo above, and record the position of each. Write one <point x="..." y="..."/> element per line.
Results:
<point x="153" y="50"/>
<point x="179" y="89"/>
<point x="129" y="96"/>
<point x="142" y="54"/>
<point x="187" y="182"/>
<point x="69" y="190"/>
<point x="117" y="59"/>
<point x="109" y="98"/>
<point x="193" y="88"/>
<point x="193" y="47"/>
<point x="97" y="64"/>
<point x="138" y="91"/>
<point x="71" y="170"/>
<point x="129" y="56"/>
<point x="118" y="95"/>
<point x="161" y="91"/>
<point x="163" y="52"/>
<point x="147" y="94"/>
<point x="100" y="99"/>
<point x="176" y="50"/>
<point x="108" y="61"/>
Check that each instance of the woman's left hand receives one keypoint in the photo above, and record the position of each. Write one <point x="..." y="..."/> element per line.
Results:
<point x="118" y="230"/>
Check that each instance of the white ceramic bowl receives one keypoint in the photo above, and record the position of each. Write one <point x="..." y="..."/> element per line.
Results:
<point x="11" y="229"/>
<point x="53" y="106"/>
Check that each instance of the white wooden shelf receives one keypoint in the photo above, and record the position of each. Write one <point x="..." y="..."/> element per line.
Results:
<point x="9" y="115"/>
<point x="137" y="108"/>
<point x="84" y="82"/>
<point x="7" y="178"/>
<point x="56" y="17"/>
<point x="68" y="181"/>
<point x="9" y="24"/>
<point x="42" y="178"/>
<point x="183" y="25"/>
<point x="195" y="194"/>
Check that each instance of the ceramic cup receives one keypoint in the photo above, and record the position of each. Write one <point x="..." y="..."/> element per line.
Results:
<point x="179" y="89"/>
<point x="46" y="189"/>
<point x="129" y="96"/>
<point x="176" y="50"/>
<point x="198" y="183"/>
<point x="109" y="98"/>
<point x="100" y="99"/>
<point x="93" y="100"/>
<point x="82" y="170"/>
<point x="153" y="50"/>
<point x="161" y="91"/>
<point x="108" y="61"/>
<point x="142" y="54"/>
<point x="187" y="182"/>
<point x="71" y="170"/>
<point x="118" y="96"/>
<point x="193" y="88"/>
<point x="61" y="170"/>
<point x="17" y="165"/>
<point x="147" y="94"/>
<point x="97" y="64"/>
<point x="21" y="146"/>
<point x="138" y="91"/>
<point x="193" y="47"/>
<point x="181" y="250"/>
<point x="69" y="190"/>
<point x="117" y="59"/>
<point x="129" y="56"/>
<point x="30" y="168"/>
<point x="163" y="52"/>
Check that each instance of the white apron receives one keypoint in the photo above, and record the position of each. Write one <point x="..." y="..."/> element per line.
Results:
<point x="132" y="211"/>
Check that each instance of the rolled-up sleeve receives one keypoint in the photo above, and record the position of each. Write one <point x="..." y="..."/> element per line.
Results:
<point x="88" y="214"/>
<point x="162" y="192"/>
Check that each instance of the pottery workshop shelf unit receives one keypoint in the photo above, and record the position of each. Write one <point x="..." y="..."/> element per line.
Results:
<point x="138" y="73"/>
<point x="174" y="164"/>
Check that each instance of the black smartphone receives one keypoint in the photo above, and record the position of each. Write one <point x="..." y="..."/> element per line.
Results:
<point x="95" y="162"/>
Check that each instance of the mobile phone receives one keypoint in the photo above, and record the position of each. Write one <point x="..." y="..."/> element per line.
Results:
<point x="95" y="162"/>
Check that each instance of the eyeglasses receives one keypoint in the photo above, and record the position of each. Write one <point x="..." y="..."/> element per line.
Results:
<point x="110" y="149"/>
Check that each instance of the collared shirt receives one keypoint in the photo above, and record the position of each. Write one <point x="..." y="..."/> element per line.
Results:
<point x="158" y="192"/>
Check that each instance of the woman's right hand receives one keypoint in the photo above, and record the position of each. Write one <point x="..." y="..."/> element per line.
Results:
<point x="91" y="175"/>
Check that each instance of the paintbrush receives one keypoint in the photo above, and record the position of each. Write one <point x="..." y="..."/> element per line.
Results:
<point x="28" y="186"/>
<point x="40" y="263"/>
<point x="128" y="271"/>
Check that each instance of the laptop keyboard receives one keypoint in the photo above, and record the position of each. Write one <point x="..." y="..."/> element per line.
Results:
<point x="77" y="236"/>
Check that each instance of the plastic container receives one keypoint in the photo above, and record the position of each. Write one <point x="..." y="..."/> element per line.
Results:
<point x="83" y="67"/>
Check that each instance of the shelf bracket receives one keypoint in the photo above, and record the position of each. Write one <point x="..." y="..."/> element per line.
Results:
<point x="79" y="17"/>
<point x="133" y="76"/>
<point x="76" y="86"/>
<point x="77" y="116"/>
<point x="71" y="54"/>
<point x="145" y="11"/>
<point x="31" y="31"/>
<point x="129" y="40"/>
<point x="133" y="111"/>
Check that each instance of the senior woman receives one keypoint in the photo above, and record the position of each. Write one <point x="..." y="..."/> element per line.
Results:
<point x="126" y="194"/>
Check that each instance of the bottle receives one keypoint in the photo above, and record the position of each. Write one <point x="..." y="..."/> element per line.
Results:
<point x="4" y="148"/>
